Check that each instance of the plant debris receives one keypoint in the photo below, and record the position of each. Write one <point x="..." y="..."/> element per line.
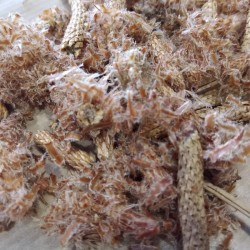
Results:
<point x="149" y="109"/>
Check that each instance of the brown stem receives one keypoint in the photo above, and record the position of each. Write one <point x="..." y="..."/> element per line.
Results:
<point x="226" y="197"/>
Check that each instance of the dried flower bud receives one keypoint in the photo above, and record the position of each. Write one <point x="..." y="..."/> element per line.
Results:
<point x="3" y="111"/>
<point x="104" y="147"/>
<point x="246" y="39"/>
<point x="79" y="159"/>
<point x="45" y="140"/>
<point x="89" y="114"/>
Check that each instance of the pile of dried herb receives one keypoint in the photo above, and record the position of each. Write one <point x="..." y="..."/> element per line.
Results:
<point x="149" y="109"/>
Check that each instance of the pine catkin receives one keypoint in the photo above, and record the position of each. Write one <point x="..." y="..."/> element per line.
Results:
<point x="191" y="202"/>
<point x="246" y="39"/>
<point x="74" y="35"/>
<point x="117" y="4"/>
<point x="3" y="111"/>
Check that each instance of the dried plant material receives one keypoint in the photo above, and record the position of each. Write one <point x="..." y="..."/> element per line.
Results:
<point x="210" y="8"/>
<point x="239" y="113"/>
<point x="74" y="36"/>
<point x="223" y="151"/>
<point x="3" y="111"/>
<point x="153" y="200"/>
<point x="154" y="131"/>
<point x="119" y="4"/>
<point x="191" y="203"/>
<point x="139" y="224"/>
<point x="39" y="166"/>
<point x="18" y="188"/>
<point x="79" y="159"/>
<point x="218" y="207"/>
<point x="89" y="114"/>
<point x="76" y="158"/>
<point x="53" y="23"/>
<point x="31" y="56"/>
<point x="156" y="82"/>
<point x="12" y="130"/>
<point x="225" y="243"/>
<point x="45" y="140"/>
<point x="207" y="87"/>
<point x="246" y="38"/>
<point x="104" y="147"/>
<point x="228" y="198"/>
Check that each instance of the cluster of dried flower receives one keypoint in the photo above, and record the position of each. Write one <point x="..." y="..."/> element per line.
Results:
<point x="154" y="100"/>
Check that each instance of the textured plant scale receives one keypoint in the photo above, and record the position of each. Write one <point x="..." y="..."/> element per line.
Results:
<point x="191" y="202"/>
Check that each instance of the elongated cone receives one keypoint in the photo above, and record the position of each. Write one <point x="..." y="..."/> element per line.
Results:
<point x="191" y="202"/>
<point x="74" y="37"/>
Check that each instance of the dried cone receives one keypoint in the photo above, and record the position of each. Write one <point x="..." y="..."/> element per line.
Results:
<point x="191" y="202"/>
<point x="246" y="39"/>
<point x="46" y="141"/>
<point x="88" y="114"/>
<point x="104" y="147"/>
<point x="74" y="36"/>
<point x="79" y="159"/>
<point x="42" y="138"/>
<point x="3" y="111"/>
<point x="117" y="4"/>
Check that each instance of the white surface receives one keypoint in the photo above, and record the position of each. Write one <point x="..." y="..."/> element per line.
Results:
<point x="241" y="239"/>
<point x="26" y="235"/>
<point x="29" y="9"/>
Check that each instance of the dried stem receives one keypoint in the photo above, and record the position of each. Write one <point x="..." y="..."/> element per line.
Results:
<point x="240" y="114"/>
<point x="191" y="203"/>
<point x="207" y="87"/>
<point x="226" y="197"/>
